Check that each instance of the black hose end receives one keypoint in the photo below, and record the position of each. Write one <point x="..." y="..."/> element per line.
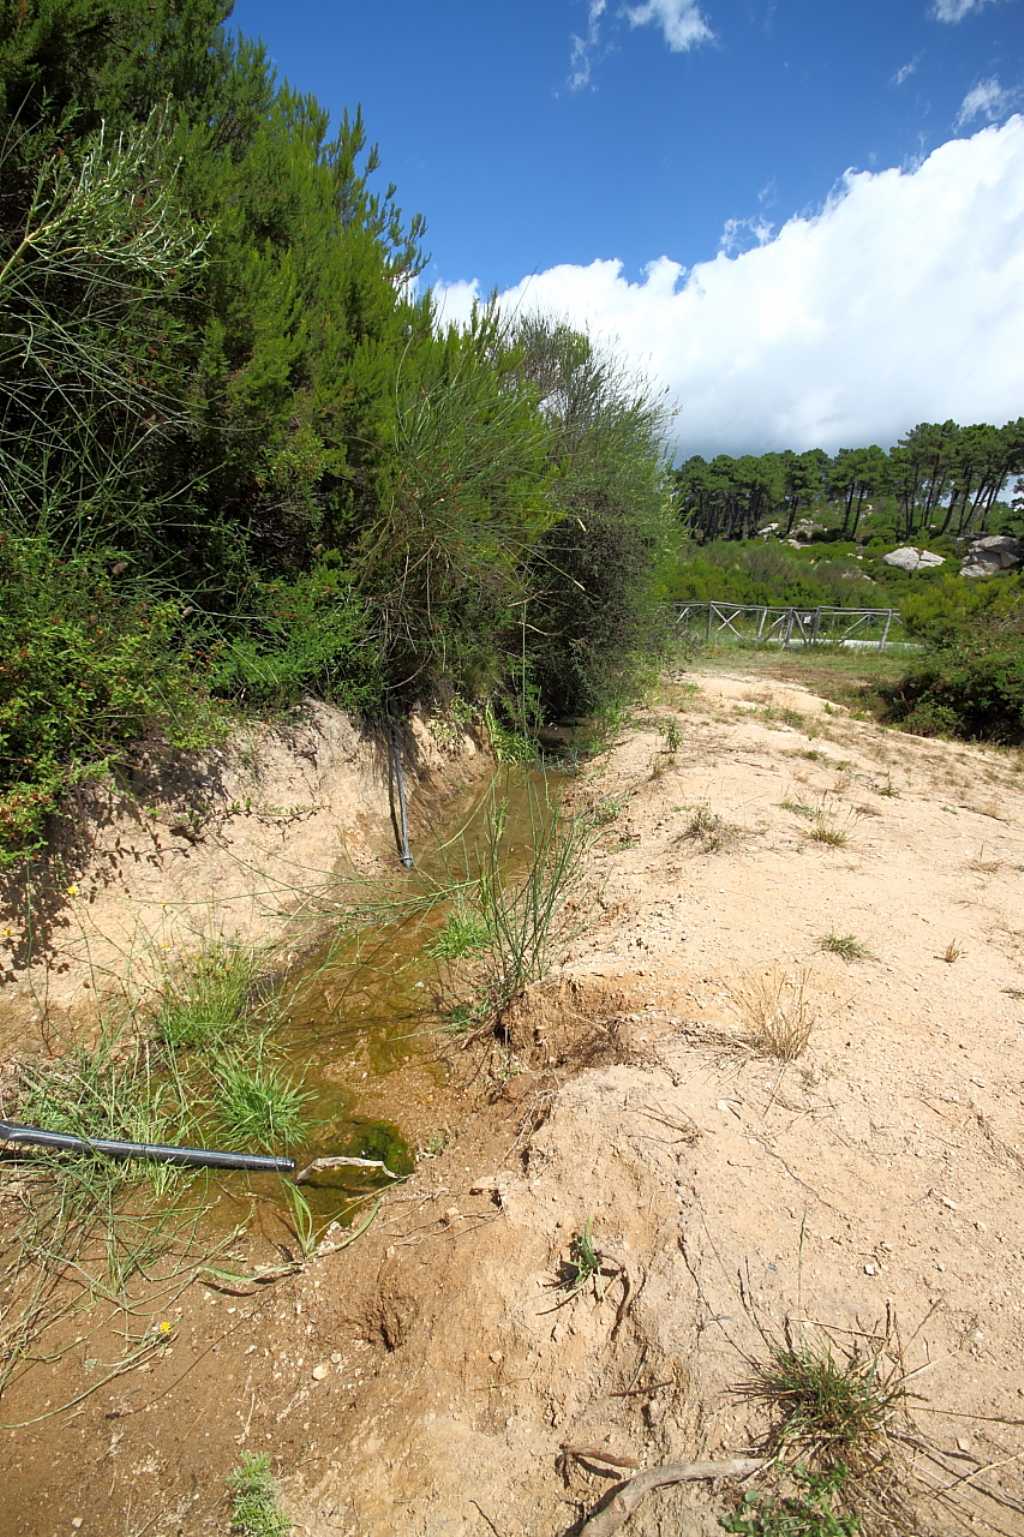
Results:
<point x="407" y="861"/>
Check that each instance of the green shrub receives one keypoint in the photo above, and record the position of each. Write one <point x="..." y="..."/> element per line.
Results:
<point x="88" y="665"/>
<point x="312" y="635"/>
<point x="970" y="682"/>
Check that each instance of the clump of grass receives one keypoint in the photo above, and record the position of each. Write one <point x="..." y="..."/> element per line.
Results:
<point x="952" y="952"/>
<point x="706" y="828"/>
<point x="798" y="808"/>
<point x="889" y="790"/>
<point x="607" y="811"/>
<point x="583" y="1267"/>
<point x="255" y="1509"/>
<point x="74" y="1215"/>
<point x="838" y="1409"/>
<point x="256" y="1105"/>
<point x="776" y="1014"/>
<point x="846" y="946"/>
<point x="463" y="1019"/>
<point x="210" y="1002"/>
<point x="825" y="829"/>
<point x="672" y="734"/>
<point x="785" y="716"/>
<point x="520" y="918"/>
<point x="809" y="1511"/>
<point x="465" y="932"/>
<point x="119" y="1089"/>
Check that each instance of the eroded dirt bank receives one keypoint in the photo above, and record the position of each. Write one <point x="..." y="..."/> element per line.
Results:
<point x="425" y="1380"/>
<point x="239" y="843"/>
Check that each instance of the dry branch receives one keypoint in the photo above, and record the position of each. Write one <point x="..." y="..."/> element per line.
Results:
<point x="610" y="1517"/>
<point x="334" y="1162"/>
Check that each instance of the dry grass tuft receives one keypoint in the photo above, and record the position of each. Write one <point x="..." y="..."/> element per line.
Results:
<point x="952" y="952"/>
<point x="846" y="946"/>
<point x="707" y="829"/>
<point x="775" y="1014"/>
<point x="829" y="830"/>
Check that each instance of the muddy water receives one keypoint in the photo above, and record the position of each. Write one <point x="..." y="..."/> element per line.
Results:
<point x="363" y="1020"/>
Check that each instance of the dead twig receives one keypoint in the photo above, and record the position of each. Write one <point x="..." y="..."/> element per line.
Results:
<point x="615" y="1511"/>
<point x="333" y="1162"/>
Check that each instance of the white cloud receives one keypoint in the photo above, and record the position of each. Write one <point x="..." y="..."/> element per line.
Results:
<point x="901" y="300"/>
<point x="581" y="48"/>
<point x="904" y="73"/>
<point x="956" y="10"/>
<point x="739" y="232"/>
<point x="988" y="99"/>
<point x="681" y="22"/>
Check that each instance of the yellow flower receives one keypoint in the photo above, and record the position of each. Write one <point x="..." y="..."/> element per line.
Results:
<point x="165" y="1327"/>
<point x="72" y="890"/>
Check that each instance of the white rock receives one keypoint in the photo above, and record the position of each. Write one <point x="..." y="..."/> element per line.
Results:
<point x="320" y="1372"/>
<point x="992" y="554"/>
<point x="909" y="559"/>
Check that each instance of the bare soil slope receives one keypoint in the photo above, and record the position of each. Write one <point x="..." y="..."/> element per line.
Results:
<point x="426" y="1380"/>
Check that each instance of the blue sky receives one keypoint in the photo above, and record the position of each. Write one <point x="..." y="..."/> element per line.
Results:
<point x="544" y="136"/>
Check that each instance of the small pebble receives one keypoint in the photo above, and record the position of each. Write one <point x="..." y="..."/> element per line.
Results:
<point x="870" y="1269"/>
<point x="319" y="1372"/>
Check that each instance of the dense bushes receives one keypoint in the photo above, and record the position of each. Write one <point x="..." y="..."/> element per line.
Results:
<point x="239" y="460"/>
<point x="970" y="681"/>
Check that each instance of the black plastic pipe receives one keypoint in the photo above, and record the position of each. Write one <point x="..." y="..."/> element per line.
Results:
<point x="396" y="768"/>
<point x="195" y="1157"/>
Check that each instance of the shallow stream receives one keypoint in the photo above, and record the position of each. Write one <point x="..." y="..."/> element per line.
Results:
<point x="364" y="1017"/>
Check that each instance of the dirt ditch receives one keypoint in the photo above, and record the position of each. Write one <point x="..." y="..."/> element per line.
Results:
<point x="440" y="1374"/>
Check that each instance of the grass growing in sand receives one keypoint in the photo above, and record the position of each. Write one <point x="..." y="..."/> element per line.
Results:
<point x="707" y="829"/>
<point x="255" y="1510"/>
<point x="810" y="1510"/>
<point x="464" y="933"/>
<point x="776" y="1015"/>
<point x="845" y="946"/>
<point x="838" y="1413"/>
<point x="825" y="829"/>
<point x="211" y="1000"/>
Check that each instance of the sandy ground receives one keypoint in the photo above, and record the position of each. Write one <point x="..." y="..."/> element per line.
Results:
<point x="425" y="1380"/>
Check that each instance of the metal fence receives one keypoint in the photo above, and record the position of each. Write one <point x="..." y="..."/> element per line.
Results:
<point x="760" y="623"/>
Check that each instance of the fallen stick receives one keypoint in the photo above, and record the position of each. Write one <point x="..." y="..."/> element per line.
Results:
<point x="343" y="1163"/>
<point x="609" y="1518"/>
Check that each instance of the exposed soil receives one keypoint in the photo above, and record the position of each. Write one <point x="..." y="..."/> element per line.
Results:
<point x="424" y="1380"/>
<point x="240" y="843"/>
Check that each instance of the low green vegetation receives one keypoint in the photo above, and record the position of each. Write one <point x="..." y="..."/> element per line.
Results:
<point x="845" y="946"/>
<point x="255" y="1103"/>
<point x="825" y="829"/>
<point x="583" y="1267"/>
<point x="464" y="933"/>
<point x="255" y="1506"/>
<point x="166" y="1077"/>
<point x="811" y="1510"/>
<point x="832" y="1408"/>
<point x="211" y="1000"/>
<point x="706" y="829"/>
